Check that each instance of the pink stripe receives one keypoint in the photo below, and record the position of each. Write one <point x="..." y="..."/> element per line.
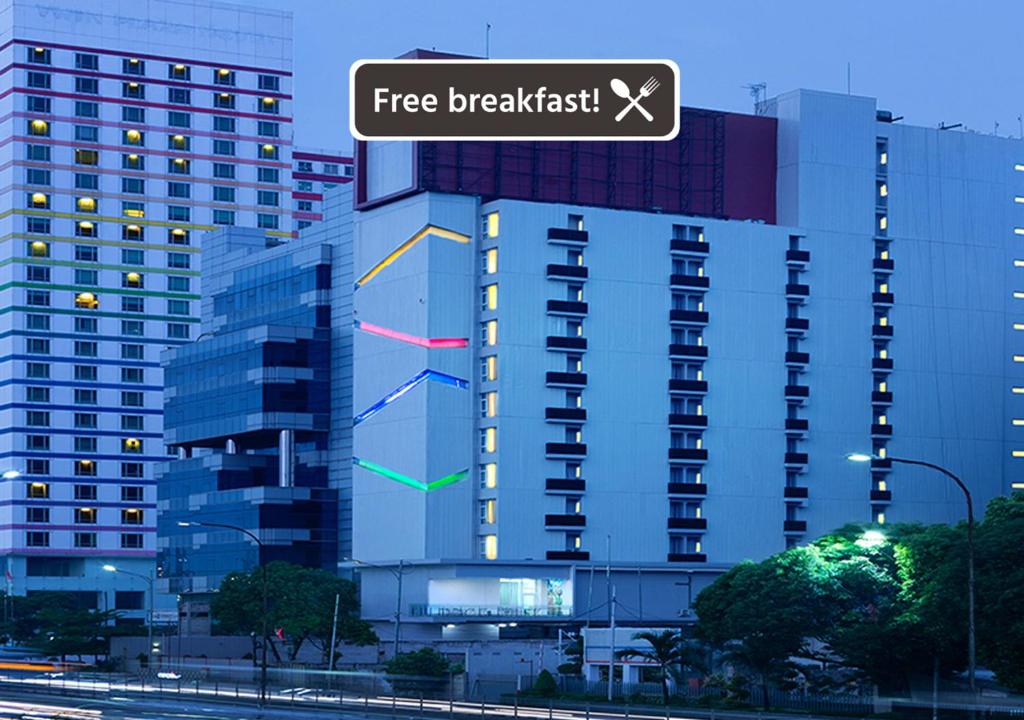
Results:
<point x="147" y="151"/>
<point x="139" y="174"/>
<point x="428" y="343"/>
<point x="80" y="528"/>
<point x="142" y="56"/>
<point x="95" y="552"/>
<point x="317" y="176"/>
<point x="342" y="159"/>
<point x="307" y="196"/>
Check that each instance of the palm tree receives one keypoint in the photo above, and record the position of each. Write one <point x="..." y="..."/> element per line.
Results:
<point x="667" y="650"/>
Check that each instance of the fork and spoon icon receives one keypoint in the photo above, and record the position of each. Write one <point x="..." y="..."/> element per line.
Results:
<point x="621" y="89"/>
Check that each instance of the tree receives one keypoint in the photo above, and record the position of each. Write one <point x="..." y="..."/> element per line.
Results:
<point x="301" y="606"/>
<point x="667" y="650"/>
<point x="545" y="684"/>
<point x="55" y="624"/>
<point x="573" y="653"/>
<point x="421" y="670"/>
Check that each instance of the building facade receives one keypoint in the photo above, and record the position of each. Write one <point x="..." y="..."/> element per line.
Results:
<point x="129" y="132"/>
<point x="586" y="370"/>
<point x="314" y="172"/>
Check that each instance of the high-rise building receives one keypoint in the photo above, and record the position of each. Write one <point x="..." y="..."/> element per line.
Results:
<point x="651" y="359"/>
<point x="131" y="130"/>
<point x="314" y="172"/>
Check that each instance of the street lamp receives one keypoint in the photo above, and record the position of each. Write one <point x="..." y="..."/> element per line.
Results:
<point x="149" y="604"/>
<point x="971" y="664"/>
<point x="399" y="573"/>
<point x="263" y="576"/>
<point x="11" y="474"/>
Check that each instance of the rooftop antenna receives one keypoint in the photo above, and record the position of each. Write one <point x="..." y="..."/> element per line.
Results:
<point x="848" y="78"/>
<point x="758" y="91"/>
<point x="487" y="42"/>
<point x="1020" y="121"/>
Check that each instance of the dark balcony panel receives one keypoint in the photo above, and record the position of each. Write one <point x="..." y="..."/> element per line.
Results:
<point x="576" y="272"/>
<point x="694" y="317"/>
<point x="687" y="489"/>
<point x="798" y="391"/>
<point x="573" y="379"/>
<point x="881" y="464"/>
<point x="798" y="424"/>
<point x="573" y="449"/>
<point x="885" y="430"/>
<point x="797" y="324"/>
<point x="690" y="247"/>
<point x="794" y="357"/>
<point x="558" y="342"/>
<point x="797" y="526"/>
<point x="798" y="290"/>
<point x="687" y="454"/>
<point x="881" y="398"/>
<point x="687" y="557"/>
<point x="881" y="331"/>
<point x="690" y="386"/>
<point x="697" y="351"/>
<point x="881" y="363"/>
<point x="568" y="236"/>
<point x="798" y="257"/>
<point x="690" y="281"/>
<point x="567" y="307"/>
<point x="688" y="420"/>
<point x="568" y="555"/>
<point x="883" y="265"/>
<point x="880" y="298"/>
<point x="794" y="492"/>
<point x="565" y="485"/>
<point x="881" y="496"/>
<point x="687" y="523"/>
<point x="565" y="520"/>
<point x="796" y="458"/>
<point x="564" y="413"/>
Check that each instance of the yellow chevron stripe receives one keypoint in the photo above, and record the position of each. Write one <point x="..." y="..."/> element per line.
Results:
<point x="408" y="245"/>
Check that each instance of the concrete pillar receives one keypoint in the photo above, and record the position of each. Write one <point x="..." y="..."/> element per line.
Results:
<point x="286" y="459"/>
<point x="229" y="447"/>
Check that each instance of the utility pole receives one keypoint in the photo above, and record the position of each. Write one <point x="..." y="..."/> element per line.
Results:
<point x="487" y="42"/>
<point x="611" y="647"/>
<point x="334" y="632"/>
<point x="398" y="609"/>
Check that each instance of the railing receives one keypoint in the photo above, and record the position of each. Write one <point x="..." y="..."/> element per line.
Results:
<point x="495" y="611"/>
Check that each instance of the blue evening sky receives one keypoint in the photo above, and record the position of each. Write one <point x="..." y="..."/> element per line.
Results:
<point x="930" y="60"/>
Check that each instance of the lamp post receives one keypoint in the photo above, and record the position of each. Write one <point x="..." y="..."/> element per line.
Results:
<point x="149" y="604"/>
<point x="399" y="573"/>
<point x="971" y="664"/>
<point x="263" y="576"/>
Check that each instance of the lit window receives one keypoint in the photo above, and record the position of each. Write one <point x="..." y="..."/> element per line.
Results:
<point x="492" y="332"/>
<point x="882" y="420"/>
<point x="132" y="137"/>
<point x="86" y="204"/>
<point x="131" y="445"/>
<point x="491" y="365"/>
<point x="39" y="127"/>
<point x="883" y="190"/>
<point x="883" y="222"/>
<point x="491" y="261"/>
<point x="490" y="439"/>
<point x="39" y="249"/>
<point x="132" y="280"/>
<point x="492" y="225"/>
<point x="880" y="518"/>
<point x="86" y="300"/>
<point x="492" y="403"/>
<point x="883" y="386"/>
<point x="883" y="158"/>
<point x="491" y="547"/>
<point x="491" y="475"/>
<point x="40" y="200"/>
<point x="492" y="298"/>
<point x="490" y="511"/>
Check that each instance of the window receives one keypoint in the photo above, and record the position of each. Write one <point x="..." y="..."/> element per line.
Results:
<point x="132" y="470"/>
<point x="223" y="124"/>
<point x="86" y="325"/>
<point x="268" y="197"/>
<point x="179" y="142"/>
<point x="87" y="373"/>
<point x="38" y="152"/>
<point x="177" y="283"/>
<point x="85" y="444"/>
<point x="85" y="421"/>
<point x="178" y="236"/>
<point x="85" y="540"/>
<point x="37" y="490"/>
<point x="222" y="193"/>
<point x="223" y="171"/>
<point x="136" y="186"/>
<point x="133" y="90"/>
<point x="87" y="61"/>
<point x="133" y="66"/>
<point x="37" y="539"/>
<point x="37" y="442"/>
<point x="37" y="394"/>
<point x="85" y="492"/>
<point x="135" y="328"/>
<point x="39" y="226"/>
<point x="131" y="516"/>
<point x="37" y="322"/>
<point x="38" y="80"/>
<point x="179" y="213"/>
<point x="489" y="546"/>
<point x="131" y="398"/>
<point x="38" y="298"/>
<point x="491" y="225"/>
<point x="39" y="128"/>
<point x="131" y="352"/>
<point x="87" y="181"/>
<point x="268" y="175"/>
<point x="178" y="71"/>
<point x="266" y="221"/>
<point x="224" y="100"/>
<point x="305" y="166"/>
<point x="40" y="371"/>
<point x="133" y="114"/>
<point x="223" y="147"/>
<point x="178" y="260"/>
<point x="132" y="375"/>
<point x="84" y="276"/>
<point x="223" y="217"/>
<point x="223" y="76"/>
<point x="489" y="332"/>
<point x="179" y="96"/>
<point x="266" y="151"/>
<point x="131" y="541"/>
<point x="177" y="307"/>
<point x="35" y="466"/>
<point x="86" y="157"/>
<point x="131" y="493"/>
<point x="86" y="205"/>
<point x="85" y="228"/>
<point x="179" y="166"/>
<point x="132" y="161"/>
<point x="35" y="176"/>
<point x="37" y="514"/>
<point x="85" y="468"/>
<point x="268" y="129"/>
<point x="89" y="86"/>
<point x="490" y="297"/>
<point x="179" y="119"/>
<point x="131" y="256"/>
<point x="86" y="349"/>
<point x="37" y="346"/>
<point x="132" y="280"/>
<point x="36" y="273"/>
<point x="85" y="397"/>
<point x="87" y="109"/>
<point x="87" y="253"/>
<point x="38" y="55"/>
<point x="269" y="82"/>
<point x="85" y="516"/>
<point x="177" y="331"/>
<point x="133" y="208"/>
<point x="304" y="205"/>
<point x="87" y="133"/>
<point x="132" y="232"/>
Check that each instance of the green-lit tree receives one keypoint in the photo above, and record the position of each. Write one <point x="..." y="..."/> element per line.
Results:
<point x="666" y="649"/>
<point x="55" y="624"/>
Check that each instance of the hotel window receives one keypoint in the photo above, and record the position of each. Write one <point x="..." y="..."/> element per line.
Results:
<point x="37" y="514"/>
<point x="268" y="129"/>
<point x="86" y="301"/>
<point x="131" y="516"/>
<point x="87" y="373"/>
<point x="178" y="236"/>
<point x="87" y="109"/>
<point x="488" y="439"/>
<point x="39" y="371"/>
<point x="86" y="204"/>
<point x="39" y="128"/>
<point x="179" y="166"/>
<point x="85" y="540"/>
<point x="177" y="331"/>
<point x="85" y="516"/>
<point x="489" y="368"/>
<point x="87" y="325"/>
<point x="223" y="124"/>
<point x="132" y="493"/>
<point x="266" y="151"/>
<point x="179" y="119"/>
<point x="489" y="333"/>
<point x="489" y="476"/>
<point x="574" y="257"/>
<point x="132" y="232"/>
<point x="37" y="490"/>
<point x="87" y="133"/>
<point x="223" y="147"/>
<point x="85" y="228"/>
<point x="490" y="261"/>
<point x="85" y="468"/>
<point x="35" y="176"/>
<point x="85" y="492"/>
<point x="86" y="444"/>
<point x="132" y="305"/>
<point x="37" y="104"/>
<point x="39" y="153"/>
<point x="133" y="328"/>
<point x="223" y="217"/>
<point x="225" y="101"/>
<point x="269" y="105"/>
<point x="223" y="76"/>
<point x="87" y="86"/>
<point x="305" y="166"/>
<point x="131" y="422"/>
<point x="223" y="171"/>
<point x="489" y="404"/>
<point x="179" y="190"/>
<point x="38" y="298"/>
<point x="87" y="181"/>
<point x="85" y="348"/>
<point x="266" y="221"/>
<point x="131" y="161"/>
<point x="179" y="213"/>
<point x="38" y="80"/>
<point x="179" y="142"/>
<point x="37" y="442"/>
<point x="223" y="193"/>
<point x="132" y="280"/>
<point x="37" y="394"/>
<point x="132" y="137"/>
<point x="132" y="470"/>
<point x="133" y="66"/>
<point x="271" y="175"/>
<point x="132" y="375"/>
<point x="488" y="511"/>
<point x="38" y="55"/>
<point x="86" y="157"/>
<point x="573" y="541"/>
<point x="490" y="297"/>
<point x="131" y="445"/>
<point x="269" y="82"/>
<point x="37" y="346"/>
<point x="131" y="541"/>
<point x="130" y="256"/>
<point x="87" y="253"/>
<point x="133" y="90"/>
<point x="178" y="71"/>
<point x="131" y="352"/>
<point x="268" y="197"/>
<point x="85" y="396"/>
<point x="575" y="222"/>
<point x="491" y="225"/>
<point x="133" y="114"/>
<point x="37" y="539"/>
<point x="34" y="466"/>
<point x="177" y="307"/>
<point x="489" y="547"/>
<point x="86" y="421"/>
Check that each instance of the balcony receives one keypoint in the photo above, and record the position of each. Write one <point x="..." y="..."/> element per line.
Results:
<point x="881" y="398"/>
<point x="881" y="331"/>
<point x="798" y="258"/>
<point x="797" y="426"/>
<point x="797" y="392"/>
<point x="561" y="343"/>
<point x="692" y="351"/>
<point x="691" y="421"/>
<point x="881" y="496"/>
<point x="881" y="465"/>
<point x="687" y="557"/>
<point x="573" y="521"/>
<point x="883" y="266"/>
<point x="565" y="414"/>
<point x="794" y="492"/>
<point x="797" y="359"/>
<point x="567" y="272"/>
<point x="675" y="488"/>
<point x="882" y="298"/>
<point x="492" y="611"/>
<point x="688" y="386"/>
<point x="565" y="236"/>
<point x="879" y="430"/>
<point x="566" y="379"/>
<point x="794" y="526"/>
<point x="690" y="247"/>
<point x="581" y="555"/>
<point x="797" y="292"/>
<point x="797" y="326"/>
<point x="565" y="450"/>
<point x="881" y="363"/>
<point x="567" y="307"/>
<point x="687" y="523"/>
<point x="565" y="485"/>
<point x="693" y="454"/>
<point x="795" y="459"/>
<point x="688" y="317"/>
<point x="690" y="282"/>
